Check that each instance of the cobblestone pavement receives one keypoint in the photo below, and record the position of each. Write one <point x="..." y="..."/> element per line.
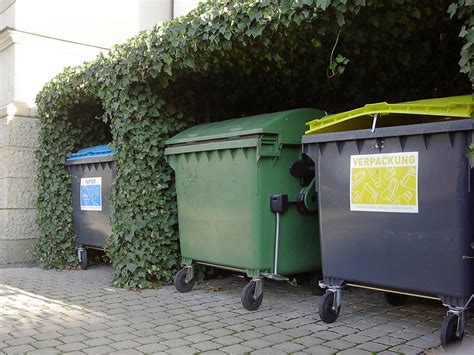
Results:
<point x="47" y="312"/>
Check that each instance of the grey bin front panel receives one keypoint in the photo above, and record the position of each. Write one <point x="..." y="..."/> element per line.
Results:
<point x="416" y="252"/>
<point x="92" y="228"/>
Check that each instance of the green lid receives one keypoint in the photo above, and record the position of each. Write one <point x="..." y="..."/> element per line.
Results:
<point x="431" y="110"/>
<point x="288" y="125"/>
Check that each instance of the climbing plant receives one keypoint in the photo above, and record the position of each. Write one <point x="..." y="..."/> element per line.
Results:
<point x="464" y="9"/>
<point x="225" y="59"/>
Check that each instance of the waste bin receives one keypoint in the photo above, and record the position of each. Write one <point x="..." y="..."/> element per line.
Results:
<point x="92" y="171"/>
<point x="396" y="204"/>
<point x="239" y="207"/>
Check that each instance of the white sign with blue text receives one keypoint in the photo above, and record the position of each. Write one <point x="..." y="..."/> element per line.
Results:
<point x="91" y="194"/>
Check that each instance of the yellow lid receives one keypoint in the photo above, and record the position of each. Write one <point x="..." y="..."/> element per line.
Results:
<point x="447" y="107"/>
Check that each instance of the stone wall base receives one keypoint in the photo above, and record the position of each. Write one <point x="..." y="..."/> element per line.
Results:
<point x="14" y="251"/>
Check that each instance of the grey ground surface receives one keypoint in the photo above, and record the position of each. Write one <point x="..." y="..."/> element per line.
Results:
<point x="74" y="311"/>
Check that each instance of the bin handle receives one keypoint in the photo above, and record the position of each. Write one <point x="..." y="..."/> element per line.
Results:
<point x="374" y="123"/>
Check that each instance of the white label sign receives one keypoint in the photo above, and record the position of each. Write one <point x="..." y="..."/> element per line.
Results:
<point x="91" y="194"/>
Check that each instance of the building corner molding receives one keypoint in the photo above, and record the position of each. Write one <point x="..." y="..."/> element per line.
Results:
<point x="6" y="38"/>
<point x="17" y="109"/>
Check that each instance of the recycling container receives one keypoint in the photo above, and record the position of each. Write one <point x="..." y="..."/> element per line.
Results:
<point x="239" y="207"/>
<point x="396" y="204"/>
<point x="92" y="172"/>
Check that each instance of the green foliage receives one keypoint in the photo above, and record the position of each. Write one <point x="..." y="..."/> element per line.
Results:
<point x="464" y="9"/>
<point x="226" y="59"/>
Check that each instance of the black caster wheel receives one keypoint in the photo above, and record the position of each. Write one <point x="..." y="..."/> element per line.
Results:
<point x="395" y="299"/>
<point x="326" y="313"/>
<point x="180" y="281"/>
<point x="247" y="299"/>
<point x="448" y="331"/>
<point x="82" y="255"/>
<point x="314" y="285"/>
<point x="247" y="278"/>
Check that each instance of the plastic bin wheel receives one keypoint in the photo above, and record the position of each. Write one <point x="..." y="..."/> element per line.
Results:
<point x="180" y="281"/>
<point x="448" y="331"/>
<point x="314" y="284"/>
<point x="395" y="299"/>
<point x="326" y="313"/>
<point x="248" y="300"/>
<point x="82" y="256"/>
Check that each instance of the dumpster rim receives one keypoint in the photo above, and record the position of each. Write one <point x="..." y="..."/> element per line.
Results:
<point x="395" y="131"/>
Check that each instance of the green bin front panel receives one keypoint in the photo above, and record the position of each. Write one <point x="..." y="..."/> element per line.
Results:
<point x="224" y="211"/>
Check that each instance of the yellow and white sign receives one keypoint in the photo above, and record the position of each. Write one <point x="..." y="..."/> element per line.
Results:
<point x="385" y="182"/>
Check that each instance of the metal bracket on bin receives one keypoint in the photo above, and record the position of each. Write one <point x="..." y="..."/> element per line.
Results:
<point x="374" y="123"/>
<point x="258" y="288"/>
<point x="189" y="273"/>
<point x="79" y="253"/>
<point x="460" y="313"/>
<point x="336" y="291"/>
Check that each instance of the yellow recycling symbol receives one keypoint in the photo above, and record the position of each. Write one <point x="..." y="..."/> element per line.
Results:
<point x="384" y="185"/>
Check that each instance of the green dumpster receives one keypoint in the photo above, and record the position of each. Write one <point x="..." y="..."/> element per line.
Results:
<point x="246" y="199"/>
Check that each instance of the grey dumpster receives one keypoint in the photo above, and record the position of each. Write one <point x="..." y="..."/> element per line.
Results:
<point x="92" y="172"/>
<point x="396" y="207"/>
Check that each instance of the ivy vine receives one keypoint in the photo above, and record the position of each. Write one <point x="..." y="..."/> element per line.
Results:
<point x="227" y="58"/>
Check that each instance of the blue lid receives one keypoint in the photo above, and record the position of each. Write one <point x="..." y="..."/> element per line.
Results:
<point x="91" y="152"/>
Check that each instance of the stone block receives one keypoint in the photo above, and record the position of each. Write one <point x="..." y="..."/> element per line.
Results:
<point x="18" y="224"/>
<point x="19" y="132"/>
<point x="17" y="162"/>
<point x="16" y="251"/>
<point x="17" y="193"/>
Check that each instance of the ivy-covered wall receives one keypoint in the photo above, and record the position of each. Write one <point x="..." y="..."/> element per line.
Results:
<point x="226" y="59"/>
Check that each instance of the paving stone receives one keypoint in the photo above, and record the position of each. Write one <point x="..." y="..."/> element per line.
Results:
<point x="104" y="349"/>
<point x="47" y="335"/>
<point x="98" y="341"/>
<point x="228" y="340"/>
<point x="19" y="349"/>
<point x="388" y="340"/>
<point x="19" y="341"/>
<point x="126" y="344"/>
<point x="321" y="350"/>
<point x="219" y="333"/>
<point x="374" y="333"/>
<point x="50" y="343"/>
<point x="354" y="351"/>
<point x="248" y="335"/>
<point x="373" y="347"/>
<point x="174" y="343"/>
<point x="406" y="349"/>
<point x="73" y="338"/>
<point x="193" y="330"/>
<point x="309" y="341"/>
<point x="267" y="352"/>
<point x="151" y="348"/>
<point x="327" y="335"/>
<point x="197" y="338"/>
<point x="207" y="345"/>
<point x="148" y="339"/>
<point x="44" y="351"/>
<point x="236" y="349"/>
<point x="257" y="344"/>
<point x="339" y="344"/>
<point x="127" y="352"/>
<point x="288" y="347"/>
<point x="72" y="347"/>
<point x="122" y="336"/>
<point x="344" y="330"/>
<point x="423" y="343"/>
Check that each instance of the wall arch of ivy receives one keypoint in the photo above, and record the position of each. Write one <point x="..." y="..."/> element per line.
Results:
<point x="226" y="59"/>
